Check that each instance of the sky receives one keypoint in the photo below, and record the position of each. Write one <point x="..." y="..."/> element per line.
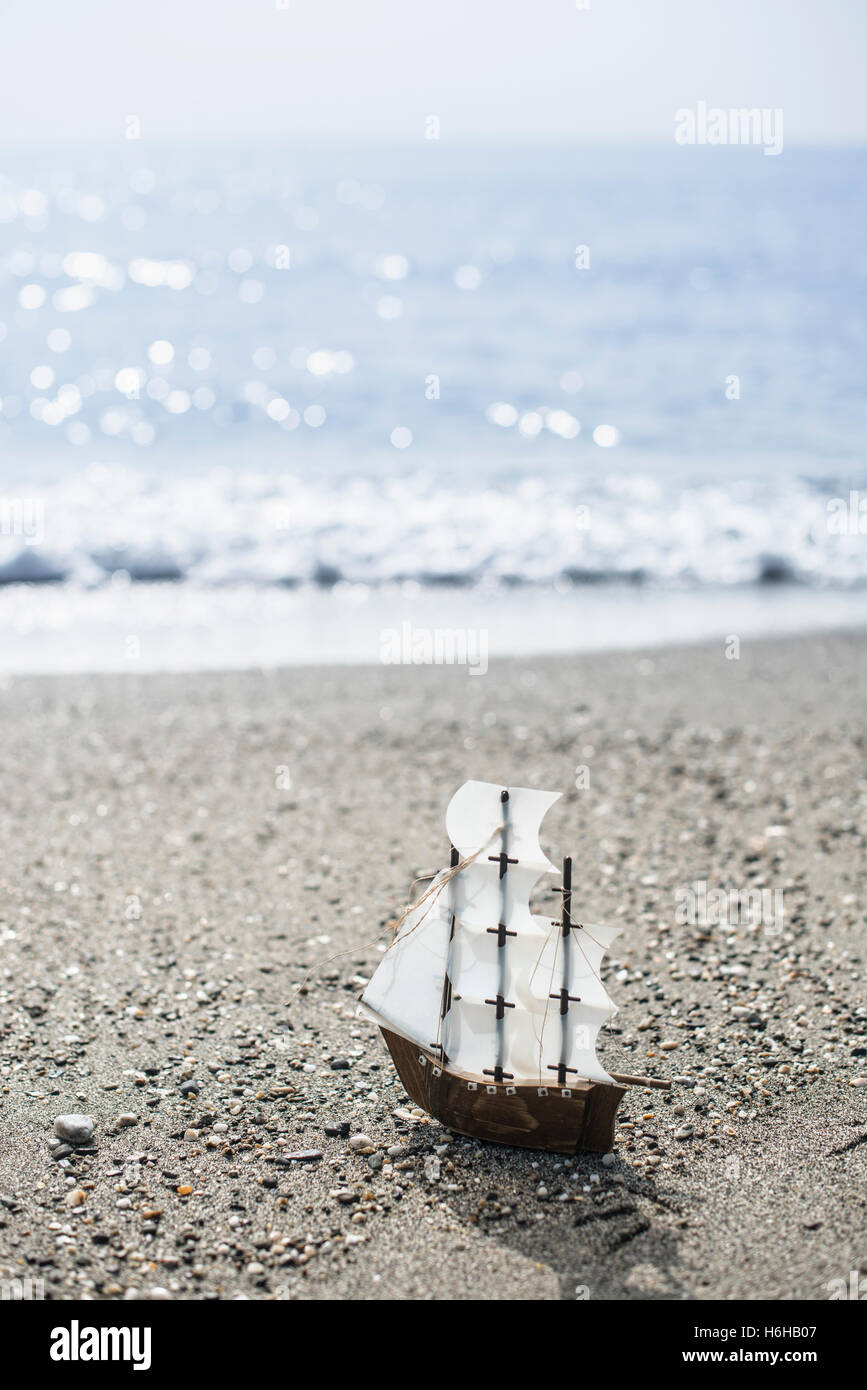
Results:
<point x="372" y="71"/>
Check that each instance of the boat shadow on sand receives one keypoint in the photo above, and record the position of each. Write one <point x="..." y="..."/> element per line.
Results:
<point x="606" y="1232"/>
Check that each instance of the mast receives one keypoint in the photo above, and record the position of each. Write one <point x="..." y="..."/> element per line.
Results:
<point x="446" y="1004"/>
<point x="562" y="995"/>
<point x="501" y="932"/>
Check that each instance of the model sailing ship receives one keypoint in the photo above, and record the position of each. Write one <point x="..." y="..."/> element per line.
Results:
<point x="491" y="1012"/>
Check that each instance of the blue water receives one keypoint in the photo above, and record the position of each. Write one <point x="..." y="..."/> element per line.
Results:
<point x="177" y="403"/>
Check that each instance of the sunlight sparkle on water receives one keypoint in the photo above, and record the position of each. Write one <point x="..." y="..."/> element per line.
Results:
<point x="468" y="277"/>
<point x="530" y="424"/>
<point x="91" y="208"/>
<point x="606" y="436"/>
<point x="31" y="296"/>
<point x="113" y="422"/>
<point x="58" y="340"/>
<point x="177" y="275"/>
<point x="73" y="298"/>
<point x="129" y="380"/>
<point x="393" y="267"/>
<point x="501" y="413"/>
<point x="562" y="423"/>
<point x="69" y="398"/>
<point x="32" y="203"/>
<point x="161" y="352"/>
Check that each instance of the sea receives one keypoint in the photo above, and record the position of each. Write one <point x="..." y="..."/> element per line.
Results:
<point x="262" y="405"/>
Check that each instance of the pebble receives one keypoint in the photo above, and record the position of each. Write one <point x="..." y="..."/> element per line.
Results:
<point x="74" y="1129"/>
<point x="125" y="1121"/>
<point x="339" y="1130"/>
<point x="305" y="1155"/>
<point x="858" y="1081"/>
<point x="360" y="1141"/>
<point x="76" y="1198"/>
<point x="189" y="1088"/>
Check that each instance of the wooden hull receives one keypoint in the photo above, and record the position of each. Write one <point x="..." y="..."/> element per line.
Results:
<point x="554" y="1118"/>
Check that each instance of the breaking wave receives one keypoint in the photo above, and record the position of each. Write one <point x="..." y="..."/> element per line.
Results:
<point x="108" y="524"/>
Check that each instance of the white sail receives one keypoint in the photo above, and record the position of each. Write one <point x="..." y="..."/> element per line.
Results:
<point x="535" y="1038"/>
<point x="501" y="993"/>
<point x="405" y="993"/>
<point x="475" y="814"/>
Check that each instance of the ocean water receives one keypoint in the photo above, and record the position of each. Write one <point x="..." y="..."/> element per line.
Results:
<point x="243" y="388"/>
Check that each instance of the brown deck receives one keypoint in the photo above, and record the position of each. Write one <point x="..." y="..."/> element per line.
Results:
<point x="560" y="1119"/>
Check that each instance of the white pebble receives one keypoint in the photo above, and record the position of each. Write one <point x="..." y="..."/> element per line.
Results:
<point x="74" y="1129"/>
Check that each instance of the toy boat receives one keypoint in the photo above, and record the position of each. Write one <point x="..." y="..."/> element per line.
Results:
<point x="491" y="1012"/>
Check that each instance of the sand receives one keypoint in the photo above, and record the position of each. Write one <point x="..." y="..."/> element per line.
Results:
<point x="179" y="853"/>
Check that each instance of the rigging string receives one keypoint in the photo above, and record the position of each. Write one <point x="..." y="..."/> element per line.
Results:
<point x="540" y="1036"/>
<point x="441" y="880"/>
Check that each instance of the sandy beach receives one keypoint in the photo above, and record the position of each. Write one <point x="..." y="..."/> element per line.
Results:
<point x="197" y="875"/>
